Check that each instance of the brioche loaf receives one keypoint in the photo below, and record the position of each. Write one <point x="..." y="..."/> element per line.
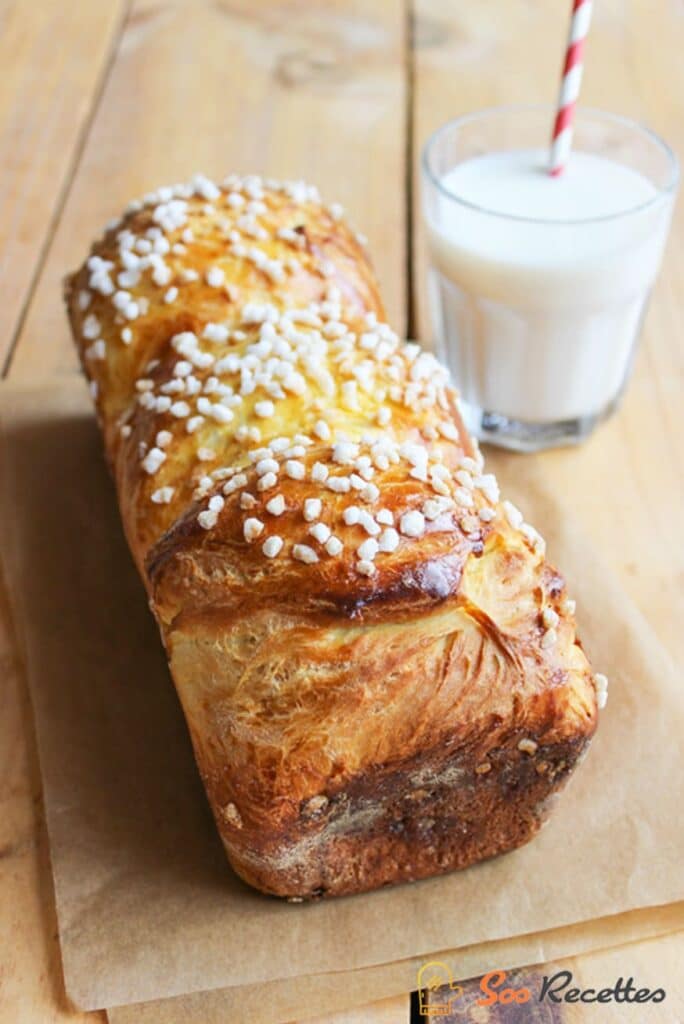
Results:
<point x="379" y="670"/>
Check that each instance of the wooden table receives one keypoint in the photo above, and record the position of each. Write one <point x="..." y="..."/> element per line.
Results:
<point x="103" y="99"/>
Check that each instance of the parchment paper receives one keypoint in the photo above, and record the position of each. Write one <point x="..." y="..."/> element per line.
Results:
<point x="147" y="906"/>
<point x="273" y="1002"/>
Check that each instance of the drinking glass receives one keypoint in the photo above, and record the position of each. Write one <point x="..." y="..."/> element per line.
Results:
<point x="537" y="317"/>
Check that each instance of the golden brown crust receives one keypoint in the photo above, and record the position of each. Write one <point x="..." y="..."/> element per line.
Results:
<point x="347" y="604"/>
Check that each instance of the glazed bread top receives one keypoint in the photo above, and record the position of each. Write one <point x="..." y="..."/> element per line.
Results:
<point x="275" y="444"/>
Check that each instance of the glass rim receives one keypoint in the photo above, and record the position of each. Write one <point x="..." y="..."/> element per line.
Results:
<point x="662" y="192"/>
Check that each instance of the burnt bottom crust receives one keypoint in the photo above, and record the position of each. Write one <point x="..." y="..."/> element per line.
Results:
<point x="399" y="824"/>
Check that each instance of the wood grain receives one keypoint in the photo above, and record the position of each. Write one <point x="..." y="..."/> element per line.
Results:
<point x="285" y="90"/>
<point x="318" y="91"/>
<point x="626" y="485"/>
<point x="53" y="58"/>
<point x="282" y="88"/>
<point x="31" y="990"/>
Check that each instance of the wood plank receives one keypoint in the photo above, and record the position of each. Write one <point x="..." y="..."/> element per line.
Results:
<point x="31" y="989"/>
<point x="285" y="90"/>
<point x="53" y="57"/>
<point x="652" y="964"/>
<point x="626" y="485"/>
<point x="311" y="91"/>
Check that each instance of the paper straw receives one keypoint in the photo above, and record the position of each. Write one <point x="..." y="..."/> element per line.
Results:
<point x="570" y="85"/>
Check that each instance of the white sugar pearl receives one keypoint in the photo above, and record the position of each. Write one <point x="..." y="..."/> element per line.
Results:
<point x="432" y="509"/>
<point x="272" y="546"/>
<point x="320" y="532"/>
<point x="368" y="550"/>
<point x="264" y="409"/>
<point x="513" y="515"/>
<point x="338" y="484"/>
<point x="276" y="506"/>
<point x="161" y="275"/>
<point x="345" y="453"/>
<point x="351" y="515"/>
<point x="312" y="509"/>
<point x="98" y="349"/>
<point x="389" y="540"/>
<point x="534" y="537"/>
<point x="470" y="524"/>
<point x="440" y="486"/>
<point x="239" y="480"/>
<point x="259" y="453"/>
<point x="216" y="503"/>
<point x="322" y="430"/>
<point x="601" y="686"/>
<point x="215" y="332"/>
<point x="448" y="430"/>
<point x="366" y="568"/>
<point x="180" y="409"/>
<point x="91" y="327"/>
<point x="368" y="523"/>
<point x="463" y="497"/>
<point x="412" y="524"/>
<point x="303" y="553"/>
<point x="207" y="519"/>
<point x="267" y="481"/>
<point x="163" y="495"/>
<point x="215" y="277"/>
<point x="220" y="413"/>
<point x="252" y="528"/>
<point x="153" y="460"/>
<point x="334" y="546"/>
<point x="370" y="493"/>
<point x="264" y="466"/>
<point x="294" y="469"/>
<point x="194" y="423"/>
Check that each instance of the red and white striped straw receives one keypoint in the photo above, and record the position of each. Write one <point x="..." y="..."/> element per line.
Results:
<point x="570" y="85"/>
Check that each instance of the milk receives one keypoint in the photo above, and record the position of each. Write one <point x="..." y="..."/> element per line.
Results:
<point x="538" y="284"/>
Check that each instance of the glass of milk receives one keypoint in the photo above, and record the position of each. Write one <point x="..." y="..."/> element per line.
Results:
<point x="537" y="284"/>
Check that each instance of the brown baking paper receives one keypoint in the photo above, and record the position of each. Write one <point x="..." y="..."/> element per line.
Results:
<point x="273" y="1002"/>
<point x="147" y="905"/>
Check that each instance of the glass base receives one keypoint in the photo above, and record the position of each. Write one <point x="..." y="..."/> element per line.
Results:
<point x="521" y="436"/>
